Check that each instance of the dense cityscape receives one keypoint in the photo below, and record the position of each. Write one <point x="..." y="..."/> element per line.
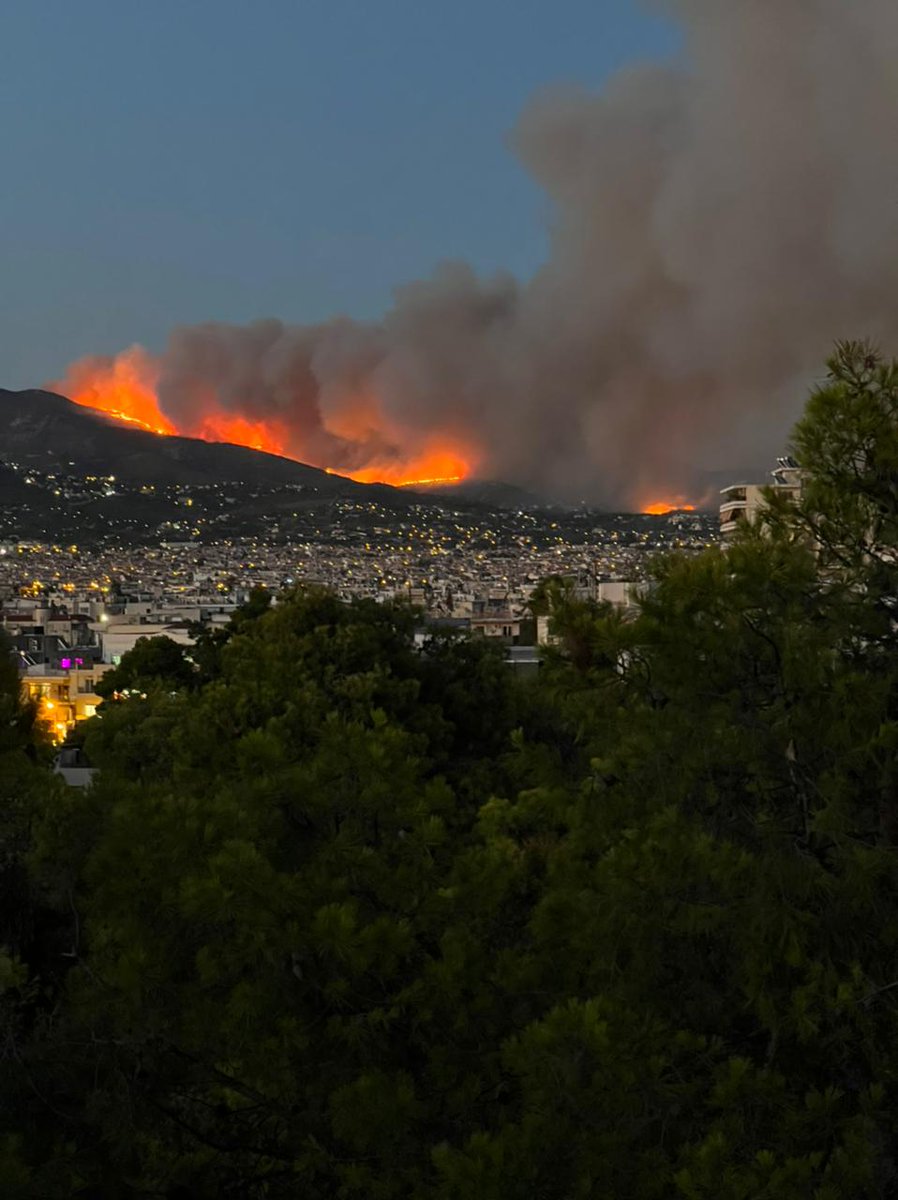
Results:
<point x="73" y="609"/>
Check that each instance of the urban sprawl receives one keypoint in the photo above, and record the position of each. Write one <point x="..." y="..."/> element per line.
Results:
<point x="72" y="611"/>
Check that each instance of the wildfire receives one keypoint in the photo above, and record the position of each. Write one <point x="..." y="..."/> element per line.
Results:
<point x="661" y="507"/>
<point x="432" y="482"/>
<point x="258" y="435"/>
<point x="125" y="387"/>
<point x="432" y="467"/>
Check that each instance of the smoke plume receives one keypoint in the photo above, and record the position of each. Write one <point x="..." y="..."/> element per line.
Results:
<point x="718" y="222"/>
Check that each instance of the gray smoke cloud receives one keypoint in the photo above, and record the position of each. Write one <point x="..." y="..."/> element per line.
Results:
<point x="718" y="221"/>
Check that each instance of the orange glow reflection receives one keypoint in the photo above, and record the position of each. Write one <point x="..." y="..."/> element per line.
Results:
<point x="660" y="508"/>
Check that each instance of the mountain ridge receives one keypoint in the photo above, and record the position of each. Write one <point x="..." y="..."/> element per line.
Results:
<point x="46" y="430"/>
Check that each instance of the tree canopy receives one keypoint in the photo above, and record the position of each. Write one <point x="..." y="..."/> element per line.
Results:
<point x="153" y="662"/>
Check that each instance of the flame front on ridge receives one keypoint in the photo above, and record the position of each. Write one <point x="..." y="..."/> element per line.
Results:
<point x="125" y="387"/>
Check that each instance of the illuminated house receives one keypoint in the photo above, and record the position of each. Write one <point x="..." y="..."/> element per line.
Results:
<point x="63" y="694"/>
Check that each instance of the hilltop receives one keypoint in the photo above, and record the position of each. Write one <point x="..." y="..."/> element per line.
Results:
<point x="49" y="432"/>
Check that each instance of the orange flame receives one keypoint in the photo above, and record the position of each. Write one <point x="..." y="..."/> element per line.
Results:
<point x="124" y="387"/>
<point x="660" y="508"/>
<point x="258" y="435"/>
<point x="433" y="465"/>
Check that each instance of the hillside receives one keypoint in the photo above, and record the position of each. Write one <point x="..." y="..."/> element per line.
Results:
<point x="68" y="473"/>
<point x="47" y="431"/>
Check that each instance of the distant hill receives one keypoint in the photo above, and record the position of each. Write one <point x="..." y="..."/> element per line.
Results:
<point x="46" y="431"/>
<point x="485" y="492"/>
<point x="49" y="433"/>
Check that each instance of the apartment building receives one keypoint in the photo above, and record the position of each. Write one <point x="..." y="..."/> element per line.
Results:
<point x="742" y="502"/>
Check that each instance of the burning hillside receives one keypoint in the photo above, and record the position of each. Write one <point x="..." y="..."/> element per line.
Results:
<point x="720" y="219"/>
<point x="126" y="387"/>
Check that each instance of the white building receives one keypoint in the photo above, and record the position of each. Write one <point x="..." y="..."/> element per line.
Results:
<point x="622" y="593"/>
<point x="117" y="640"/>
<point x="742" y="502"/>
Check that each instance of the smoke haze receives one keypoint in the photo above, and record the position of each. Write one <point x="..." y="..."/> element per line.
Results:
<point x="718" y="222"/>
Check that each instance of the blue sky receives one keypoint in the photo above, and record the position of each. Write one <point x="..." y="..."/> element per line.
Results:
<point x="170" y="161"/>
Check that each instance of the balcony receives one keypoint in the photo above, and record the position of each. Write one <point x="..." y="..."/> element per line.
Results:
<point x="736" y="491"/>
<point x="733" y="505"/>
<point x="732" y="515"/>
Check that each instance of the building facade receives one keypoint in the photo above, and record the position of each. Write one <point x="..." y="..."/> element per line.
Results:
<point x="743" y="502"/>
